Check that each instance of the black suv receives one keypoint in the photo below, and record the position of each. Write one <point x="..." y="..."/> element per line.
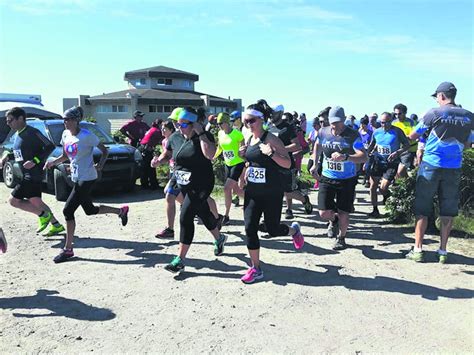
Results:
<point x="122" y="168"/>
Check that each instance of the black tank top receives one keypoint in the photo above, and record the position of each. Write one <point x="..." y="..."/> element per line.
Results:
<point x="263" y="173"/>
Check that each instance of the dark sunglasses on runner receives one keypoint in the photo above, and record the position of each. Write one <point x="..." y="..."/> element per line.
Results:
<point x="184" y="124"/>
<point x="250" y="121"/>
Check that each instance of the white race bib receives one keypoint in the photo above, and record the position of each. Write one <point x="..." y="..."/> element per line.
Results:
<point x="74" y="172"/>
<point x="228" y="155"/>
<point x="384" y="149"/>
<point x="183" y="177"/>
<point x="18" y="156"/>
<point x="256" y="175"/>
<point x="337" y="166"/>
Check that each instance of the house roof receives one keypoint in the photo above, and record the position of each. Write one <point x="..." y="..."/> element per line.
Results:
<point x="156" y="96"/>
<point x="162" y="72"/>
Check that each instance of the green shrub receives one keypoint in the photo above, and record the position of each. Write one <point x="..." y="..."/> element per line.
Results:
<point x="400" y="204"/>
<point x="119" y="137"/>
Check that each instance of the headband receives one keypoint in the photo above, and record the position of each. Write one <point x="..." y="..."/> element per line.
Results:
<point x="253" y="112"/>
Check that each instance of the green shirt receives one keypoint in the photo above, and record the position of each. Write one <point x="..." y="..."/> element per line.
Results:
<point x="229" y="144"/>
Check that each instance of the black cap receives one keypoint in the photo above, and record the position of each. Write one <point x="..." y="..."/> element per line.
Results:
<point x="138" y="113"/>
<point x="445" y="86"/>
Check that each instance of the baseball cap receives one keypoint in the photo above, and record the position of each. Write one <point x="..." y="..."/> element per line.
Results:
<point x="235" y="115"/>
<point x="278" y="108"/>
<point x="336" y="114"/>
<point x="223" y="117"/>
<point x="445" y="86"/>
<point x="174" y="115"/>
<point x="138" y="113"/>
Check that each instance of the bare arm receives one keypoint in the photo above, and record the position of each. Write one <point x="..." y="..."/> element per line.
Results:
<point x="105" y="153"/>
<point x="277" y="151"/>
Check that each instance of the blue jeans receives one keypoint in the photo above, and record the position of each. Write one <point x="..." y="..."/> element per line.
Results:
<point x="445" y="182"/>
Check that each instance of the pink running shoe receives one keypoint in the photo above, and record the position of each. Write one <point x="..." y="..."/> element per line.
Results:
<point x="298" y="239"/>
<point x="316" y="185"/>
<point x="252" y="275"/>
<point x="3" y="242"/>
<point x="124" y="215"/>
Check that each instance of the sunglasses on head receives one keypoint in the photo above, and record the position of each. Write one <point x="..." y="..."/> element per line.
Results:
<point x="250" y="121"/>
<point x="184" y="124"/>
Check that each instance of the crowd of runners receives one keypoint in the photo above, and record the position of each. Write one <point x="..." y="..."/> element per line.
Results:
<point x="262" y="149"/>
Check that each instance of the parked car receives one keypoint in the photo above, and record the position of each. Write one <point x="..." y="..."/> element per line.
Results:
<point x="121" y="170"/>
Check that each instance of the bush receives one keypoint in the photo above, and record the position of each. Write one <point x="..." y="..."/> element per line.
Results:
<point x="400" y="204"/>
<point x="119" y="137"/>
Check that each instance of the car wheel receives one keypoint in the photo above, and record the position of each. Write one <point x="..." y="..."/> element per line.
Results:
<point x="61" y="188"/>
<point x="8" y="175"/>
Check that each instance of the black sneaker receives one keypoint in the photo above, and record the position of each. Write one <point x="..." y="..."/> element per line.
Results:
<point x="308" y="207"/>
<point x="65" y="255"/>
<point x="175" y="266"/>
<point x="225" y="221"/>
<point x="124" y="215"/>
<point x="375" y="213"/>
<point x="262" y="227"/>
<point x="289" y="214"/>
<point x="219" y="245"/>
<point x="333" y="228"/>
<point x="339" y="244"/>
<point x="220" y="219"/>
<point x="236" y="201"/>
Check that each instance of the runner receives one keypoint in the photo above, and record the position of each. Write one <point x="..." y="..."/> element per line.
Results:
<point x="230" y="140"/>
<point x="195" y="178"/>
<point x="265" y="155"/>
<point x="449" y="128"/>
<point x="30" y="149"/>
<point x="78" y="145"/>
<point x="387" y="146"/>
<point x="312" y="139"/>
<point x="406" y="125"/>
<point x="342" y="149"/>
<point x="282" y="127"/>
<point x="365" y="134"/>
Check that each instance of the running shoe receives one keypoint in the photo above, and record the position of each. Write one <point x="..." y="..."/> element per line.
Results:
<point x="175" y="266"/>
<point x="333" y="228"/>
<point x="165" y="233"/>
<point x="252" y="275"/>
<point x="64" y="255"/>
<point x="123" y="215"/>
<point x="298" y="238"/>
<point x="308" y="207"/>
<point x="53" y="230"/>
<point x="443" y="259"/>
<point x="3" y="242"/>
<point x="385" y="198"/>
<point x="43" y="222"/>
<point x="220" y="219"/>
<point x="236" y="201"/>
<point x="339" y="244"/>
<point x="262" y="227"/>
<point x="316" y="185"/>
<point x="375" y="213"/>
<point x="225" y="221"/>
<point x="219" y="245"/>
<point x="289" y="214"/>
<point x="415" y="256"/>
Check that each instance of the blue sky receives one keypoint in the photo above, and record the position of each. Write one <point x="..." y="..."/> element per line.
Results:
<point x="363" y="55"/>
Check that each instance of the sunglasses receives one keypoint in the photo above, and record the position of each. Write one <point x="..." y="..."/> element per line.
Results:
<point x="250" y="121"/>
<point x="184" y="124"/>
<point x="384" y="122"/>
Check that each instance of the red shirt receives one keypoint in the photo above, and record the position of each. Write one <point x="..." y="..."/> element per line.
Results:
<point x="135" y="129"/>
<point x="152" y="137"/>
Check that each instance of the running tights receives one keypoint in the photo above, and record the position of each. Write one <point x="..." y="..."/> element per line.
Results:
<point x="80" y="196"/>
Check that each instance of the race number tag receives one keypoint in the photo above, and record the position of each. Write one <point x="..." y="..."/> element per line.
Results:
<point x="74" y="172"/>
<point x="228" y="155"/>
<point x="337" y="166"/>
<point x="384" y="150"/>
<point x="183" y="177"/>
<point x="256" y="175"/>
<point x="17" y="154"/>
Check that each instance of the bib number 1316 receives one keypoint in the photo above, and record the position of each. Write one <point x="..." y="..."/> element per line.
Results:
<point x="335" y="166"/>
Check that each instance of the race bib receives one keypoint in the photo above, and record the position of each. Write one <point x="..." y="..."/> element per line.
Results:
<point x="74" y="172"/>
<point x="384" y="149"/>
<point x="337" y="166"/>
<point x="228" y="155"/>
<point x="256" y="175"/>
<point x="18" y="156"/>
<point x="183" y="177"/>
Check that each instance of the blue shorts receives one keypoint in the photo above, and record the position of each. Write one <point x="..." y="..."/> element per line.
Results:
<point x="172" y="187"/>
<point x="432" y="180"/>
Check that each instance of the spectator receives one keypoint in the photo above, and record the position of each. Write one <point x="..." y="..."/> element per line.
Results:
<point x="135" y="129"/>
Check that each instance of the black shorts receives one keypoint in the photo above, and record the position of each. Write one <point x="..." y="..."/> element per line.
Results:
<point x="407" y="159"/>
<point x="291" y="180"/>
<point x="27" y="189"/>
<point x="234" y="172"/>
<point x="336" y="194"/>
<point x="381" y="169"/>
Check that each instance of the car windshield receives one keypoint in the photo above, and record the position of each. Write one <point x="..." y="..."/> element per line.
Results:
<point x="56" y="130"/>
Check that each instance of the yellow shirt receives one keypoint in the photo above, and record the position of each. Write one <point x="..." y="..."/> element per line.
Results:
<point x="407" y="127"/>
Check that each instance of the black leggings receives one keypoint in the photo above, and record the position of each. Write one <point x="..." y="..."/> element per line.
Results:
<point x="270" y="205"/>
<point x="80" y="196"/>
<point x="195" y="203"/>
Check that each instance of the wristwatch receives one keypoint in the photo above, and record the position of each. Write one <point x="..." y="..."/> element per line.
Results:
<point x="271" y="155"/>
<point x="347" y="156"/>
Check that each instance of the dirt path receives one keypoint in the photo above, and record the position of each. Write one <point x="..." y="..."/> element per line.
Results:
<point x="115" y="297"/>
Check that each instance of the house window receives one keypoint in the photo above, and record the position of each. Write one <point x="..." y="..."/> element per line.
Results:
<point x="112" y="109"/>
<point x="167" y="109"/>
<point x="163" y="81"/>
<point x="186" y="83"/>
<point x="152" y="108"/>
<point x="119" y="108"/>
<point x="141" y="81"/>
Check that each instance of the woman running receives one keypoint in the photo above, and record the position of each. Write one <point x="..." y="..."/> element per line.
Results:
<point x="230" y="140"/>
<point x="265" y="154"/>
<point x="78" y="146"/>
<point x="195" y="178"/>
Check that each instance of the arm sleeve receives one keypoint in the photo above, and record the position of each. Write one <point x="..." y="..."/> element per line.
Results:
<point x="45" y="146"/>
<point x="358" y="145"/>
<point x="402" y="138"/>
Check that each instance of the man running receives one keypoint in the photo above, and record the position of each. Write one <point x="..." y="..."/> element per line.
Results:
<point x="406" y="125"/>
<point x="449" y="128"/>
<point x="387" y="146"/>
<point x="30" y="149"/>
<point x="342" y="149"/>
